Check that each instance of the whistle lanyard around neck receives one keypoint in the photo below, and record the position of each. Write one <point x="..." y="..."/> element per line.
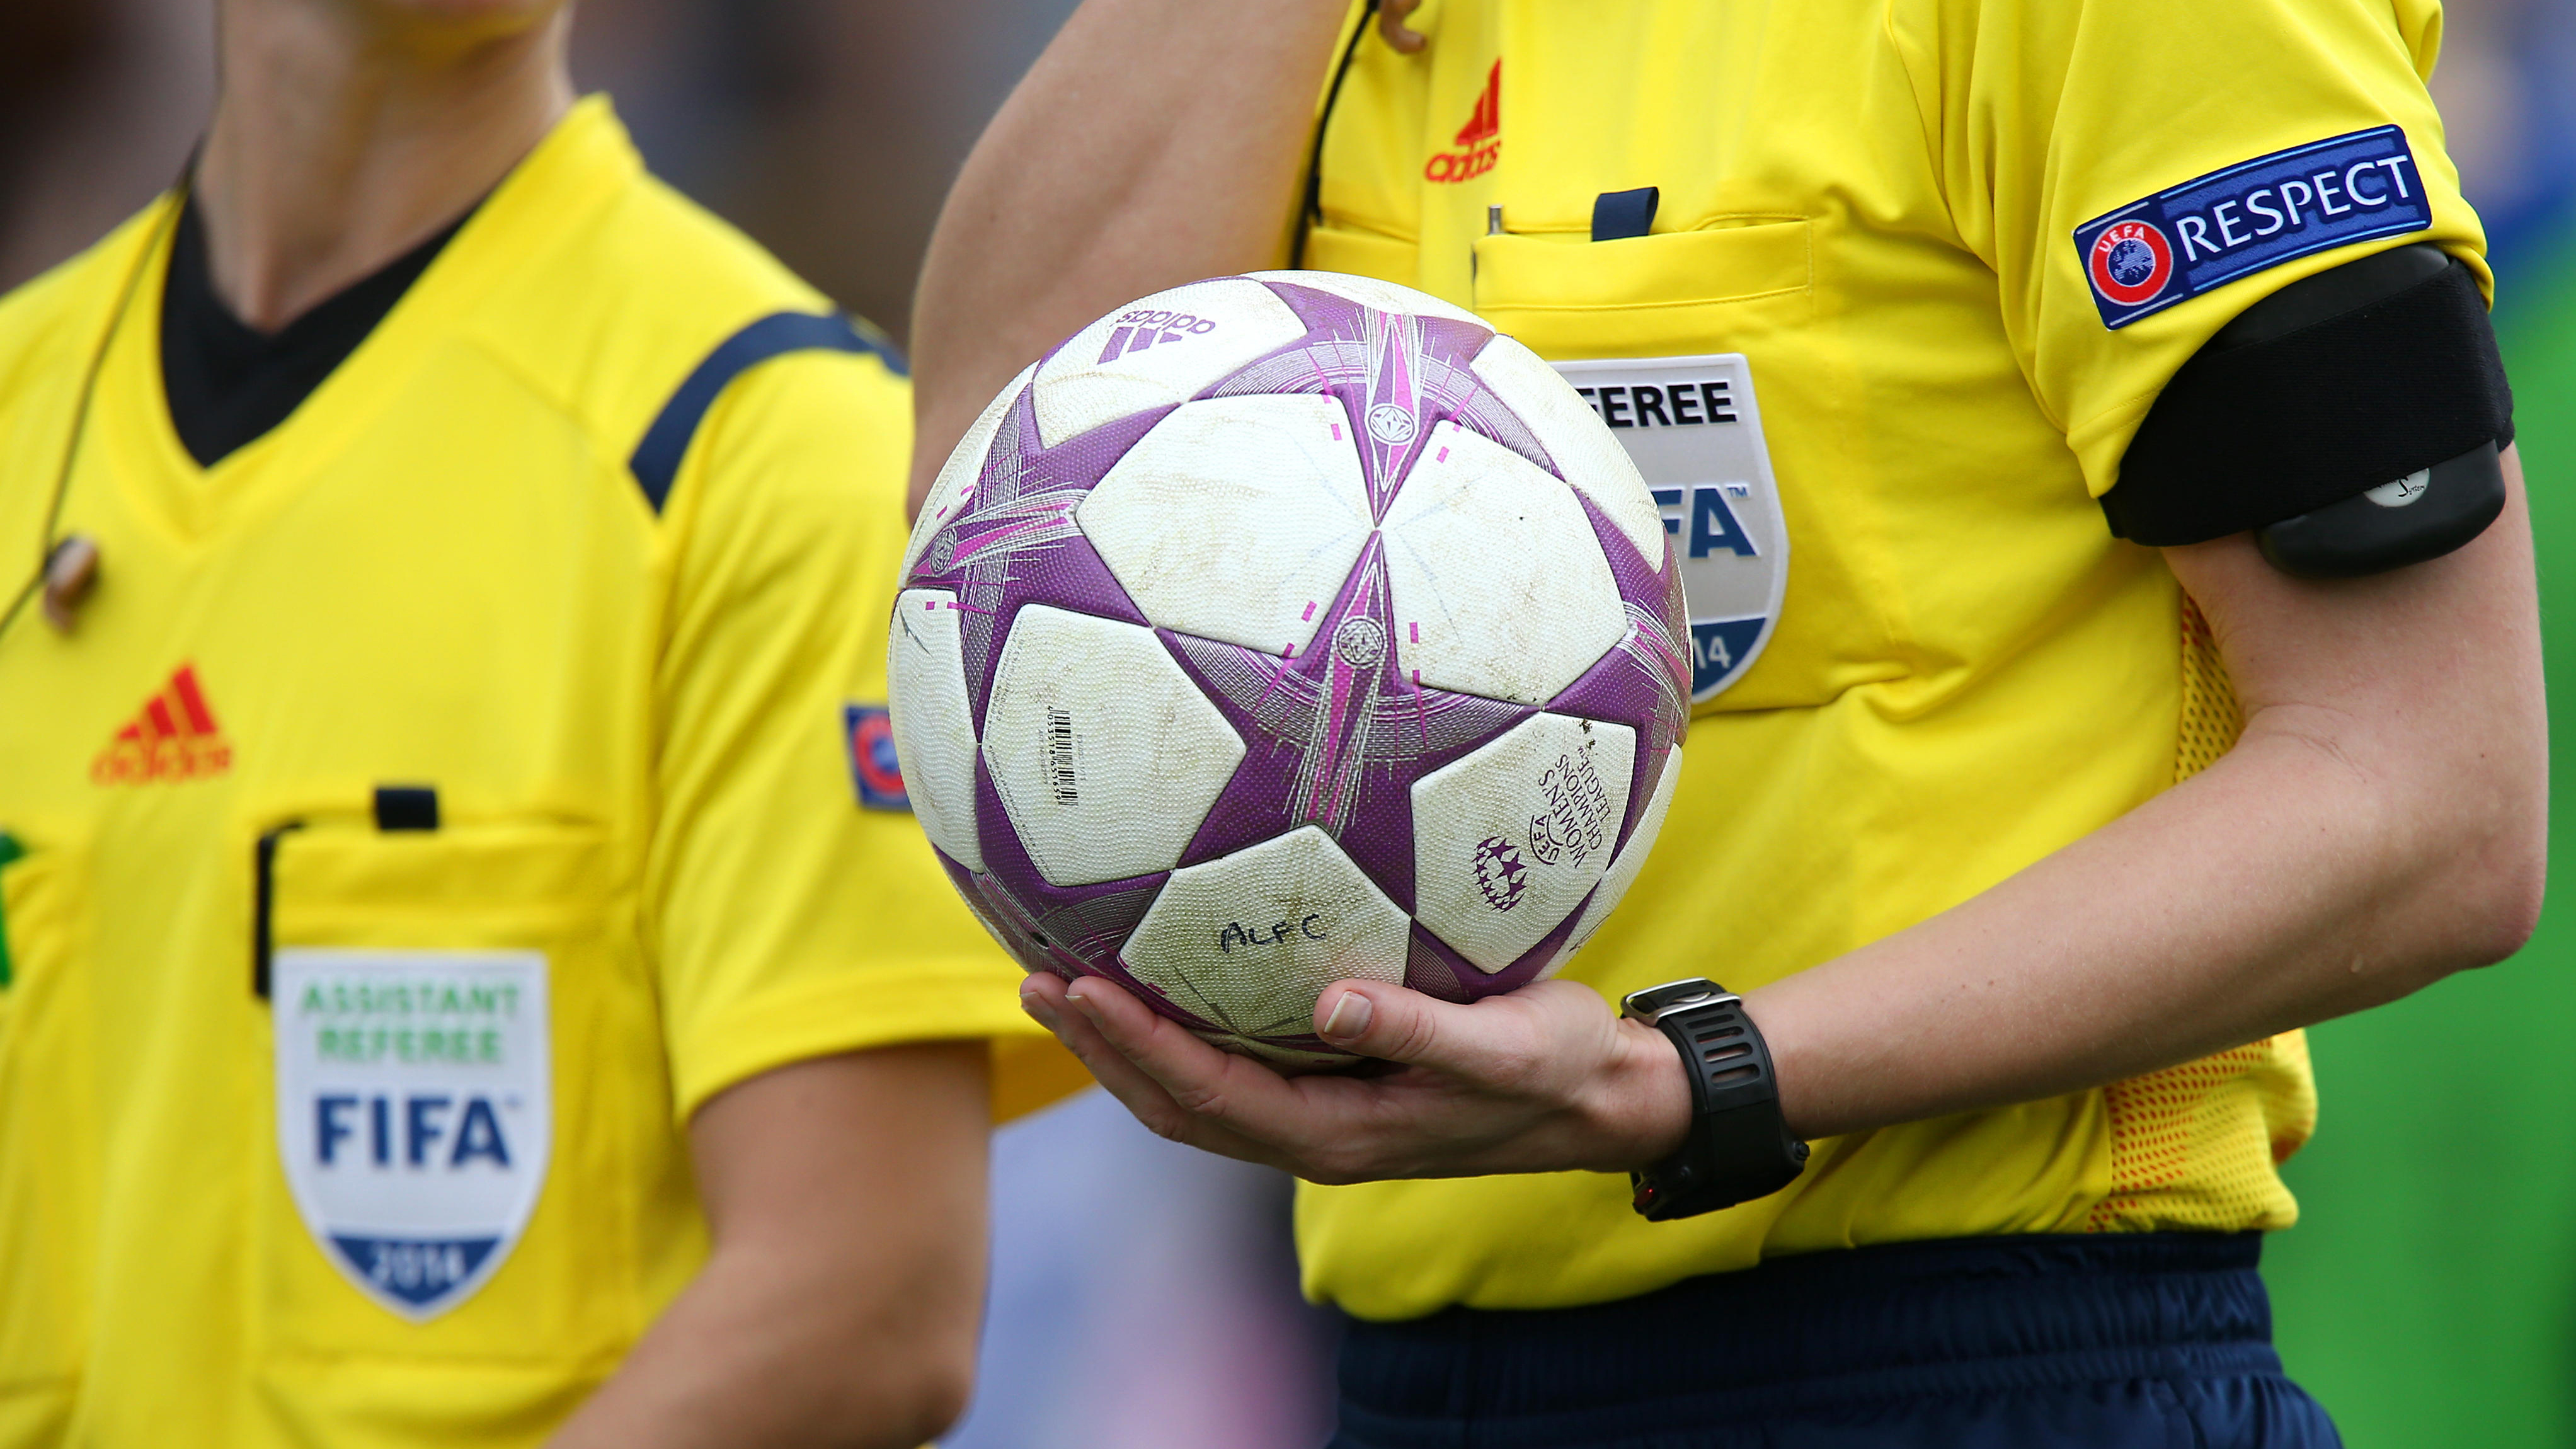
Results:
<point x="57" y="554"/>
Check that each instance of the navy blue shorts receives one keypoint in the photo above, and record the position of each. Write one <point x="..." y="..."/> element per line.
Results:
<point x="2145" y="1341"/>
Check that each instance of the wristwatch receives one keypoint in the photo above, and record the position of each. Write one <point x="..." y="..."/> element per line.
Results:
<point x="1739" y="1146"/>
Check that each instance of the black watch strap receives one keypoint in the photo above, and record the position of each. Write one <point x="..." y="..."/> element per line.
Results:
<point x="1739" y="1147"/>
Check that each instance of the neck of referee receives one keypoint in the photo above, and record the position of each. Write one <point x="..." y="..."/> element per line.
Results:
<point x="346" y="132"/>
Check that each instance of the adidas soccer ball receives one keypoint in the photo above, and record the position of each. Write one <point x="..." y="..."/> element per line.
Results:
<point x="1283" y="629"/>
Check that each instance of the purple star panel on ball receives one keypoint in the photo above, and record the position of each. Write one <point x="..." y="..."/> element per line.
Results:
<point x="1286" y="629"/>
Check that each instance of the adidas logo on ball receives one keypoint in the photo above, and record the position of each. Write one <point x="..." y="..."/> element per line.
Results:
<point x="1140" y="329"/>
<point x="1425" y="734"/>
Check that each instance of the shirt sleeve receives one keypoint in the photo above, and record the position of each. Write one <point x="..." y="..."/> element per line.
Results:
<point x="2047" y="116"/>
<point x="789" y="920"/>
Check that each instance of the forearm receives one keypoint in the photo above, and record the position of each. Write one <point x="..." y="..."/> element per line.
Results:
<point x="1070" y="204"/>
<point x="2348" y="851"/>
<point x="839" y="1306"/>
<point x="732" y="1363"/>
<point x="2267" y="894"/>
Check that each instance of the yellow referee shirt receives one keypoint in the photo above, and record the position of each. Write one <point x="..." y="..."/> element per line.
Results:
<point x="1894" y="321"/>
<point x="439" y="799"/>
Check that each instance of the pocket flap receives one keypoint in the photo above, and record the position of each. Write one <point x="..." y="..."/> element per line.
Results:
<point x="357" y="886"/>
<point x="1670" y="269"/>
<point x="1674" y="292"/>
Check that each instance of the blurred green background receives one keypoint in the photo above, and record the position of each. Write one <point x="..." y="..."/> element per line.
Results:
<point x="2428" y="1295"/>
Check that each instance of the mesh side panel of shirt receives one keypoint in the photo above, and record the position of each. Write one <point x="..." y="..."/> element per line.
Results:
<point x="2197" y="1146"/>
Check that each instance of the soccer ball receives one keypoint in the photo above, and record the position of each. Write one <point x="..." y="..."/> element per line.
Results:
<point x="1284" y="629"/>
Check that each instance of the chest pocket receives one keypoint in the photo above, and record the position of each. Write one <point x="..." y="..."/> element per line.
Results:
<point x="1740" y="262"/>
<point x="1636" y="323"/>
<point x="473" y="1149"/>
<point x="1736" y="297"/>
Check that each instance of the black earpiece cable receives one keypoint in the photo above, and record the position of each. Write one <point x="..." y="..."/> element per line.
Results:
<point x="46" y="542"/>
<point x="1312" y="210"/>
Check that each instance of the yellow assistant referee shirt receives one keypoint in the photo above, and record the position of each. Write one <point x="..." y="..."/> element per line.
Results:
<point x="439" y="799"/>
<point x="1887" y="336"/>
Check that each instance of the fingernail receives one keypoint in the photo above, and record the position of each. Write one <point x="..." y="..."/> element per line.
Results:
<point x="1037" y="1008"/>
<point x="1349" y="1016"/>
<point x="1083" y="1003"/>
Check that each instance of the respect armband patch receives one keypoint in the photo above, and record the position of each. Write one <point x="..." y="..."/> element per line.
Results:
<point x="2213" y="229"/>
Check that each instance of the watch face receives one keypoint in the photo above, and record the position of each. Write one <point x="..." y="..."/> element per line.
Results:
<point x="1654" y="1001"/>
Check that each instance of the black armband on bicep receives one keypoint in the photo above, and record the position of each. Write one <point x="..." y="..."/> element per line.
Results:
<point x="2352" y="419"/>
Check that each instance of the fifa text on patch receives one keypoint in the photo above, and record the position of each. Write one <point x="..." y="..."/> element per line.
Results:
<point x="2213" y="229"/>
<point x="868" y="734"/>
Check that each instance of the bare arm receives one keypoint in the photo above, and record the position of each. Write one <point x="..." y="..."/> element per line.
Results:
<point x="839" y="1306"/>
<point x="1154" y="143"/>
<point x="2380" y="824"/>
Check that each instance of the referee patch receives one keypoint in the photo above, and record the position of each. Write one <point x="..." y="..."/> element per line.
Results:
<point x="2231" y="223"/>
<point x="1693" y="429"/>
<point x="415" y="1112"/>
<point x="867" y="733"/>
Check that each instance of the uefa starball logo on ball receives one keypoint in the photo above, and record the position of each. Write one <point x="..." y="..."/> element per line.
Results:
<point x="1343" y="641"/>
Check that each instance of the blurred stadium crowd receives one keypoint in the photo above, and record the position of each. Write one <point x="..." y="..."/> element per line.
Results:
<point x="1144" y="1295"/>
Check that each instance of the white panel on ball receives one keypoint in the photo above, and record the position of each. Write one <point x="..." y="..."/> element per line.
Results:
<point x="1106" y="756"/>
<point x="1164" y="349"/>
<point x="1508" y="839"/>
<point x="1589" y="457"/>
<point x="1249" y="940"/>
<point x="1499" y="585"/>
<point x="934" y="726"/>
<point x="965" y="464"/>
<point x="1277" y="515"/>
<point x="1370" y="292"/>
<point x="1632" y="859"/>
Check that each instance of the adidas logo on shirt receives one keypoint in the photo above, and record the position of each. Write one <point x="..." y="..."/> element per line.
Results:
<point x="1479" y="142"/>
<point x="174" y="738"/>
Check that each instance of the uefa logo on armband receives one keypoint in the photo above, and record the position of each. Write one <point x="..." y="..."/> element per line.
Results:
<point x="867" y="734"/>
<point x="2131" y="262"/>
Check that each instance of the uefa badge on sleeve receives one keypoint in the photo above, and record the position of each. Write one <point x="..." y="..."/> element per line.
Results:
<point x="2131" y="262"/>
<point x="867" y="735"/>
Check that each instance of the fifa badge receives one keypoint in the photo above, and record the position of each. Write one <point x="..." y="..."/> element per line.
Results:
<point x="1692" y="427"/>
<point x="415" y="1112"/>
